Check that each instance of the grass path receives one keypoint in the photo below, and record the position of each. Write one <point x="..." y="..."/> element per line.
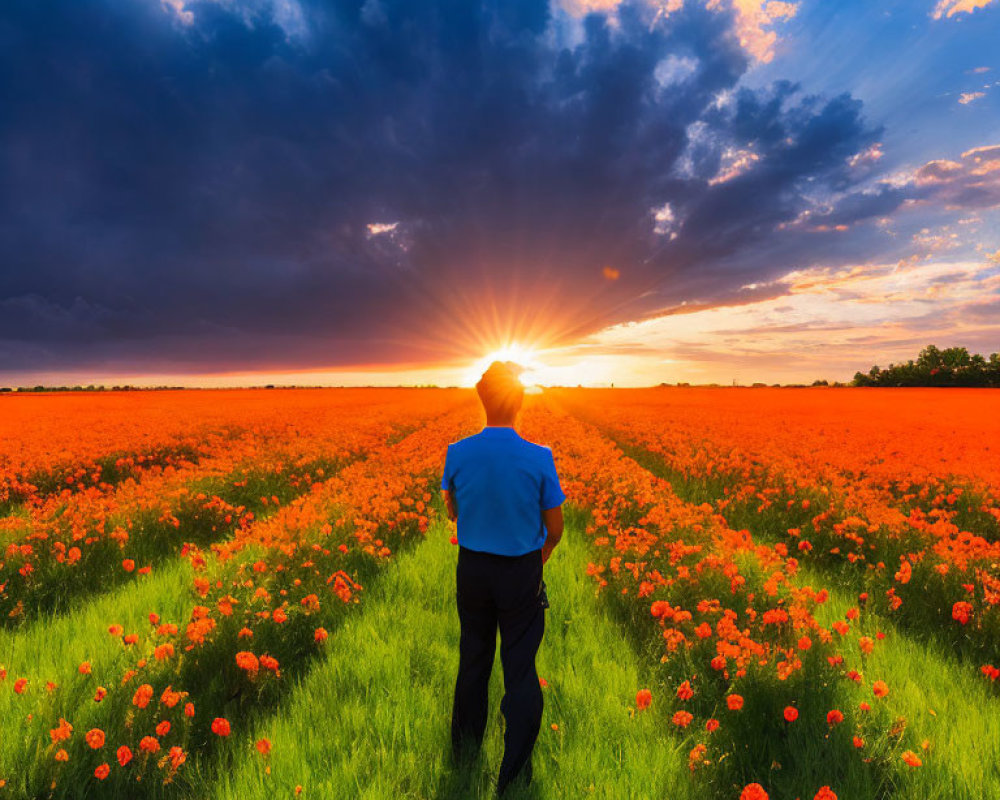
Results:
<point x="936" y="694"/>
<point x="52" y="647"/>
<point x="372" y="719"/>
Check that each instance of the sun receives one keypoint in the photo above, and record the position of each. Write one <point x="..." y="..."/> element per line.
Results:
<point x="519" y="354"/>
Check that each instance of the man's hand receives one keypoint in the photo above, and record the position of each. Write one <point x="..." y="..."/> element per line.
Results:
<point x="553" y="519"/>
<point x="449" y="501"/>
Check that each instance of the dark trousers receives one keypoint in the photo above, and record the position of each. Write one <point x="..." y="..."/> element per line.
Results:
<point x="506" y="592"/>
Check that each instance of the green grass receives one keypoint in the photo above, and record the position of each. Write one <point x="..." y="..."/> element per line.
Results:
<point x="372" y="719"/>
<point x="52" y="647"/>
<point x="937" y="695"/>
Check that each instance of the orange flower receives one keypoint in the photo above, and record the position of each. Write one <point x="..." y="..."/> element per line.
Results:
<point x="684" y="691"/>
<point x="320" y="634"/>
<point x="734" y="702"/>
<point x="825" y="793"/>
<point x="163" y="651"/>
<point x="61" y="732"/>
<point x="84" y="668"/>
<point x="263" y="746"/>
<point x="753" y="791"/>
<point x="100" y="694"/>
<point x="961" y="612"/>
<point x="149" y="744"/>
<point x="712" y="724"/>
<point x="643" y="698"/>
<point x="177" y="757"/>
<point x="102" y="772"/>
<point x="682" y="718"/>
<point x="880" y="688"/>
<point x="247" y="661"/>
<point x="269" y="662"/>
<point x="791" y="713"/>
<point x="911" y="759"/>
<point x="170" y="698"/>
<point x="163" y="728"/>
<point x="142" y="696"/>
<point x="834" y="717"/>
<point x="220" y="726"/>
<point x="20" y="684"/>
<point x="311" y="602"/>
<point x="124" y="755"/>
<point x="697" y="756"/>
<point x="95" y="738"/>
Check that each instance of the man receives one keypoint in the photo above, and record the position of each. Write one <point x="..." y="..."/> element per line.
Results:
<point x="504" y="493"/>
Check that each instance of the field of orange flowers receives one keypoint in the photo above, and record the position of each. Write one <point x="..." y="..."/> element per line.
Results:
<point x="808" y="580"/>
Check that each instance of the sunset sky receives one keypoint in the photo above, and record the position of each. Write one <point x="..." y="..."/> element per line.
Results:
<point x="233" y="192"/>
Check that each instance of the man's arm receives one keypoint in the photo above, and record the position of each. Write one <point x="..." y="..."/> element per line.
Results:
<point x="553" y="519"/>
<point x="449" y="501"/>
<point x="447" y="486"/>
<point x="552" y="499"/>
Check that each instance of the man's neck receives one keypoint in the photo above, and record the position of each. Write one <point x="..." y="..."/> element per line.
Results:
<point x="496" y="424"/>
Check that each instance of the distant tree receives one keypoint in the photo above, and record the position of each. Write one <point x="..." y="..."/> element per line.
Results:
<point x="953" y="366"/>
<point x="820" y="382"/>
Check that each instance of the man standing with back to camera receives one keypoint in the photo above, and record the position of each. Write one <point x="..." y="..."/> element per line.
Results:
<point x="504" y="493"/>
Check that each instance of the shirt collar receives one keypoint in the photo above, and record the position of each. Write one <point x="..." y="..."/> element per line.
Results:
<point x="499" y="430"/>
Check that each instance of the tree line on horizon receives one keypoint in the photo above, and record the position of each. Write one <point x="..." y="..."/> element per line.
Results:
<point x="953" y="366"/>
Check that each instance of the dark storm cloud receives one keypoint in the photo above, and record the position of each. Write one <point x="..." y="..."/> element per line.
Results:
<point x="194" y="190"/>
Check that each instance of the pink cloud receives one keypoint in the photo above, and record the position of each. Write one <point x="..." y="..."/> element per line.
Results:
<point x="949" y="8"/>
<point x="972" y="182"/>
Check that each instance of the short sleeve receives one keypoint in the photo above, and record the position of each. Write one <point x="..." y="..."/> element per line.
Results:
<point x="447" y="479"/>
<point x="552" y="493"/>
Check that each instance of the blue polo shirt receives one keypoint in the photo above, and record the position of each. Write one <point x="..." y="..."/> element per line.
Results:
<point x="501" y="483"/>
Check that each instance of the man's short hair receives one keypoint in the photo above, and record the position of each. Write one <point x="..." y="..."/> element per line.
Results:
<point x="500" y="389"/>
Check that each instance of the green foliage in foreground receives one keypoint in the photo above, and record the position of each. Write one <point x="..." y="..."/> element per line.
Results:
<point x="372" y="720"/>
